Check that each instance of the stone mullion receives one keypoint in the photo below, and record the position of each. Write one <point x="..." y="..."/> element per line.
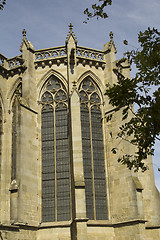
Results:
<point x="92" y="163"/>
<point x="106" y="164"/>
<point x="69" y="159"/>
<point x="55" y="159"/>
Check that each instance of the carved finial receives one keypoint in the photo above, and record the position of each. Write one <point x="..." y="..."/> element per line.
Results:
<point x="24" y="33"/>
<point x="71" y="33"/>
<point x="70" y="27"/>
<point x="111" y="36"/>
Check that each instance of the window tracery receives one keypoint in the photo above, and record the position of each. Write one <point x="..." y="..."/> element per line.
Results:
<point x="55" y="152"/>
<point x="93" y="151"/>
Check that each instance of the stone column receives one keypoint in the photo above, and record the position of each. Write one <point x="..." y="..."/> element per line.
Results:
<point x="79" y="225"/>
<point x="79" y="185"/>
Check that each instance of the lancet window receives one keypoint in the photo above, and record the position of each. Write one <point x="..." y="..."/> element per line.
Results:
<point x="15" y="130"/>
<point x="93" y="151"/>
<point x="55" y="152"/>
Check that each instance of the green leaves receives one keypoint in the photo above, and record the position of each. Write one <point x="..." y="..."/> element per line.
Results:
<point x="2" y="3"/>
<point x="143" y="92"/>
<point x="97" y="10"/>
<point x="141" y="128"/>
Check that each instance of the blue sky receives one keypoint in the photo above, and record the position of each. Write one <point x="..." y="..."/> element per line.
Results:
<point x="46" y="23"/>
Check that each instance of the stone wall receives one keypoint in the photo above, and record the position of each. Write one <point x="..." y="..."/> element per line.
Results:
<point x="133" y="201"/>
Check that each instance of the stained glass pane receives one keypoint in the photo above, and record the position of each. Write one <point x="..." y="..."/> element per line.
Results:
<point x="60" y="95"/>
<point x="83" y="96"/>
<point x="53" y="83"/>
<point x="48" y="165"/>
<point x="99" y="168"/>
<point x="86" y="146"/>
<point x="93" y="151"/>
<point x="87" y="85"/>
<point x="55" y="158"/>
<point x="62" y="162"/>
<point x="47" y="97"/>
<point x="95" y="98"/>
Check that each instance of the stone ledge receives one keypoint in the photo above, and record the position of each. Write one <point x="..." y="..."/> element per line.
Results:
<point x="80" y="220"/>
<point x="55" y="224"/>
<point x="152" y="226"/>
<point x="108" y="223"/>
<point x="21" y="225"/>
<point x="129" y="222"/>
<point x="7" y="226"/>
<point x="79" y="184"/>
<point x="100" y="223"/>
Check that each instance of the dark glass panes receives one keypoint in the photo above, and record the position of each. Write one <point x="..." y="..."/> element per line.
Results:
<point x="62" y="164"/>
<point x="94" y="98"/>
<point x="60" y="96"/>
<point x="53" y="84"/>
<point x="55" y="153"/>
<point x="99" y="167"/>
<point x="88" y="86"/>
<point x="83" y="96"/>
<point x="84" y="106"/>
<point x="95" y="108"/>
<point x="63" y="197"/>
<point x="48" y="165"/>
<point x="86" y="147"/>
<point x="93" y="151"/>
<point x="47" y="97"/>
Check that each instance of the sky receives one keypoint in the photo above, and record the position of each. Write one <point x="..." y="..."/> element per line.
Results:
<point x="46" y="23"/>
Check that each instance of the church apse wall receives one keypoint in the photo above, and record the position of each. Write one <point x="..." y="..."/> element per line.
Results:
<point x="58" y="177"/>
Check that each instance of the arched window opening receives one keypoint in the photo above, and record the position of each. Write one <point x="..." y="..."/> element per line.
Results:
<point x="55" y="152"/>
<point x="93" y="151"/>
<point x="15" y="130"/>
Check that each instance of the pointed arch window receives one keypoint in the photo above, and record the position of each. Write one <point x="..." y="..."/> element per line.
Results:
<point x="55" y="152"/>
<point x="93" y="151"/>
<point x="16" y="118"/>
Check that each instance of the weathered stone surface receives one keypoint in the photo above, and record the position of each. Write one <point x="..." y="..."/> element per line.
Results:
<point x="133" y="202"/>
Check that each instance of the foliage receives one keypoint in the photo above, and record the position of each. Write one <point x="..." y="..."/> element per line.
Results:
<point x="143" y="91"/>
<point x="2" y="3"/>
<point x="97" y="10"/>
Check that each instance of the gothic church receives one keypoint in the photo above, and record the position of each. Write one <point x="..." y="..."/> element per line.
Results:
<point x="59" y="179"/>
